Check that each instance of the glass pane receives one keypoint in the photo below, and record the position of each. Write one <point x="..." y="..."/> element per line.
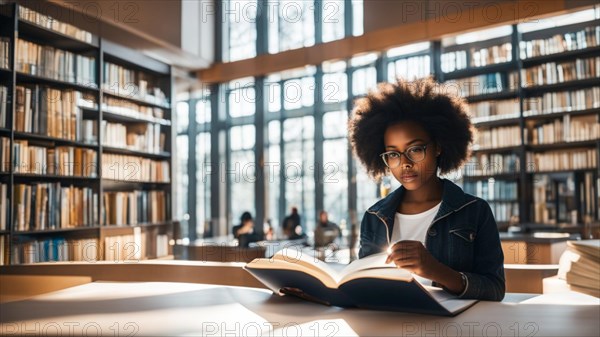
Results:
<point x="242" y="102"/>
<point x="333" y="20"/>
<point x="274" y="97"/>
<point x="366" y="191"/>
<point x="203" y="172"/>
<point x="294" y="25"/>
<point x="409" y="68"/>
<point x="203" y="111"/>
<point x="363" y="80"/>
<point x="242" y="137"/>
<point x="298" y="168"/>
<point x="273" y="179"/>
<point x="357" y="18"/>
<point x="335" y="124"/>
<point x="274" y="132"/>
<point x="335" y="87"/>
<point x="183" y="110"/>
<point x="335" y="180"/>
<point x="241" y="18"/>
<point x="242" y="177"/>
<point x="181" y="206"/>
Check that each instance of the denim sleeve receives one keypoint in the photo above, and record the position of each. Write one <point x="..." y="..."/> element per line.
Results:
<point x="486" y="281"/>
<point x="367" y="244"/>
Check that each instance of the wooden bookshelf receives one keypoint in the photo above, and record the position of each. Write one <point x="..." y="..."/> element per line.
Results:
<point x="545" y="113"/>
<point x="84" y="58"/>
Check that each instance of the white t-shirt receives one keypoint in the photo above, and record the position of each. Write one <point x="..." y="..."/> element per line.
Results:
<point x="413" y="226"/>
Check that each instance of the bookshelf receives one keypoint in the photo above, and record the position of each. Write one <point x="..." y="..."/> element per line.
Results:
<point x="85" y="145"/>
<point x="534" y="97"/>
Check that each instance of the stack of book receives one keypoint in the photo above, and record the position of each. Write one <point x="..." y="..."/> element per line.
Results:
<point x="141" y="137"/>
<point x="55" y="249"/>
<point x="59" y="160"/>
<point x="121" y="81"/>
<point x="3" y="106"/>
<point x="580" y="266"/>
<point x="4" y="52"/>
<point x="560" y="43"/>
<point x="552" y="72"/>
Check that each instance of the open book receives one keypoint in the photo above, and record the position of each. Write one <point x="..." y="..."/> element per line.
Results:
<point x="366" y="283"/>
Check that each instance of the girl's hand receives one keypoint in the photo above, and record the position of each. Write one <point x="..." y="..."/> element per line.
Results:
<point x="414" y="257"/>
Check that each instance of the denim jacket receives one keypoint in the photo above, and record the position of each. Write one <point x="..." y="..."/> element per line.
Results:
<point x="463" y="236"/>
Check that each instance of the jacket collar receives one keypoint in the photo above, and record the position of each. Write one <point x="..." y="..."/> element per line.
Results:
<point x="453" y="198"/>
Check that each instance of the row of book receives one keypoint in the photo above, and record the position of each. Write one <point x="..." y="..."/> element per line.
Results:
<point x="560" y="43"/>
<point x="561" y="160"/>
<point x="494" y="110"/>
<point x="562" y="101"/>
<point x="4" y="52"/>
<point x="498" y="137"/>
<point x="569" y="129"/>
<point x="453" y="61"/>
<point x="483" y="84"/>
<point x="505" y="211"/>
<point x="491" y="55"/>
<point x="44" y="206"/>
<point x="4" y="112"/>
<point x="411" y="68"/>
<point x="57" y="64"/>
<point x="131" y="208"/>
<point x="4" y="205"/>
<point x="138" y="137"/>
<point x="490" y="164"/>
<point x="54" y="113"/>
<point x="121" y="81"/>
<point x="59" y="160"/>
<point x="133" y="110"/>
<point x="136" y="246"/>
<point x="493" y="189"/>
<point x="134" y="169"/>
<point x="4" y="154"/>
<point x="552" y="72"/>
<point x="52" y="23"/>
<point x="54" y="250"/>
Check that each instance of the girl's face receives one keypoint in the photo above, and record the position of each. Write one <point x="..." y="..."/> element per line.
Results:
<point x="413" y="141"/>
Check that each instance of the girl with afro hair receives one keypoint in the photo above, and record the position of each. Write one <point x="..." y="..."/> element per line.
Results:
<point x="429" y="225"/>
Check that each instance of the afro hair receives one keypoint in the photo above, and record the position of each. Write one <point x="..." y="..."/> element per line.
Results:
<point x="443" y="116"/>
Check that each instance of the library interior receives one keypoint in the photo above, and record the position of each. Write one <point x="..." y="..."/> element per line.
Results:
<point x="249" y="167"/>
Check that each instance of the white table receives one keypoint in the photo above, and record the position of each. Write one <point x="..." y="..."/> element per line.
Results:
<point x="165" y="308"/>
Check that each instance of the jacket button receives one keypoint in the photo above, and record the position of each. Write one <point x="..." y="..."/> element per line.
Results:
<point x="432" y="232"/>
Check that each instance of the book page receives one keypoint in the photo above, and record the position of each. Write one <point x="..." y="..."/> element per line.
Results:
<point x="451" y="302"/>
<point x="375" y="261"/>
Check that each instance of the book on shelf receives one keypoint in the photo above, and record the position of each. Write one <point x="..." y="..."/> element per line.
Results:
<point x="55" y="249"/>
<point x="366" y="283"/>
<point x="491" y="55"/>
<point x="484" y="84"/>
<point x="131" y="208"/>
<point x="143" y="137"/>
<point x="54" y="160"/>
<point x="574" y="159"/>
<point x="4" y="106"/>
<point x="498" y="137"/>
<point x="49" y="22"/>
<point x="562" y="101"/>
<point x="124" y="248"/>
<point x="3" y="250"/>
<point x="493" y="110"/>
<point x="553" y="72"/>
<point x="4" y="154"/>
<point x="56" y="64"/>
<point x="569" y="129"/>
<point x="134" y="110"/>
<point x="55" y="113"/>
<point x="4" y="205"/>
<point x="453" y="61"/>
<point x="42" y="206"/>
<point x="585" y="38"/>
<point x="134" y="169"/>
<point x="410" y="68"/>
<point x="579" y="266"/>
<point x="124" y="82"/>
<point x="4" y="52"/>
<point x="490" y="164"/>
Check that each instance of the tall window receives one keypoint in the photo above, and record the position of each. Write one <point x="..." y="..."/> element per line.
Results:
<point x="332" y="20"/>
<point x="240" y="27"/>
<point x="292" y="25"/>
<point x="299" y="166"/>
<point x="242" y="171"/>
<point x="335" y="165"/>
<point x="273" y="168"/>
<point x="182" y="141"/>
<point x="203" y="148"/>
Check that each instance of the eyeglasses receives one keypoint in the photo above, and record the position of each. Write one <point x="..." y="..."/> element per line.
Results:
<point x="414" y="153"/>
